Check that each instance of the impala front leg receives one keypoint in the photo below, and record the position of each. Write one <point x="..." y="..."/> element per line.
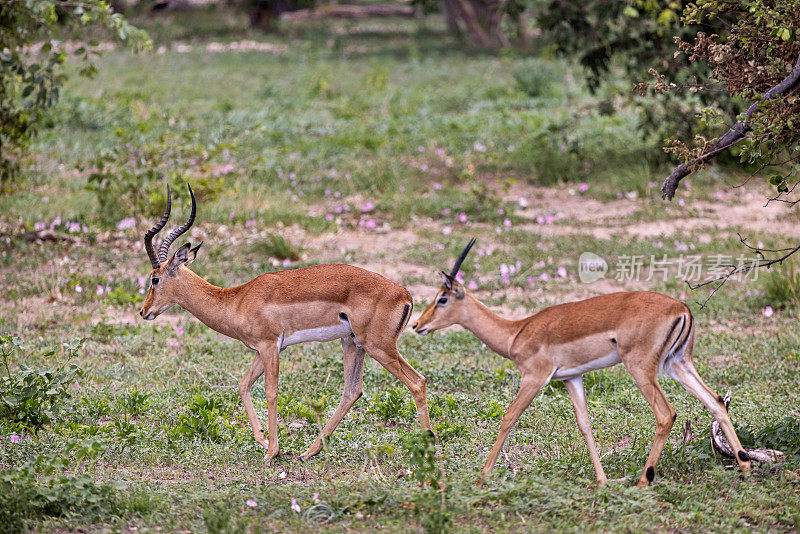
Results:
<point x="530" y="386"/>
<point x="269" y="358"/>
<point x="245" y="387"/>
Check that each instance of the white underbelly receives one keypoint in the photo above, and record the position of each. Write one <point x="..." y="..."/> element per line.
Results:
<point x="600" y="363"/>
<point x="322" y="334"/>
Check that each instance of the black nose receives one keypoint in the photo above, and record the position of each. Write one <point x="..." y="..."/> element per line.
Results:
<point x="414" y="326"/>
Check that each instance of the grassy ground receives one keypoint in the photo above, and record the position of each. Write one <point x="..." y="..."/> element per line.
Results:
<point x="365" y="143"/>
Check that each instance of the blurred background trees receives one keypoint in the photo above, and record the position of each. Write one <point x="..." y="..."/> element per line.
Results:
<point x="711" y="60"/>
<point x="36" y="38"/>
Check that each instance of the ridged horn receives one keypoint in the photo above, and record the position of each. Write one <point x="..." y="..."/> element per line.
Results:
<point x="163" y="250"/>
<point x="148" y="236"/>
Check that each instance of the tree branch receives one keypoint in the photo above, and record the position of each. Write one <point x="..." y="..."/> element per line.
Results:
<point x="731" y="137"/>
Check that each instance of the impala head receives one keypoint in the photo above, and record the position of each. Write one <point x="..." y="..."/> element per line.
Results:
<point x="165" y="276"/>
<point x="447" y="306"/>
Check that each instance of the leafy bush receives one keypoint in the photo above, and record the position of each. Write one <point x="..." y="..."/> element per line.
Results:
<point x="39" y="488"/>
<point x="34" y="397"/>
<point x="32" y="64"/>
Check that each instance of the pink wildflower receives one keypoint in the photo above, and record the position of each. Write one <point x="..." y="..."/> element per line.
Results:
<point x="179" y="330"/>
<point x="562" y="272"/>
<point x="124" y="224"/>
<point x="295" y="506"/>
<point x="251" y="503"/>
<point x="472" y="285"/>
<point x="14" y="438"/>
<point x="768" y="311"/>
<point x="583" y="187"/>
<point x="447" y="230"/>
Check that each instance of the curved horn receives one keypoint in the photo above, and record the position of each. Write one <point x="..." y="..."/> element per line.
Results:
<point x="461" y="258"/>
<point x="175" y="234"/>
<point x="148" y="237"/>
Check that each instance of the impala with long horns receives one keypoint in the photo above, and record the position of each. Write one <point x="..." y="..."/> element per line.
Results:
<point x="645" y="331"/>
<point x="278" y="309"/>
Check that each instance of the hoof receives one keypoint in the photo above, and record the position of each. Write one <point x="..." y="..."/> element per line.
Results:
<point x="312" y="451"/>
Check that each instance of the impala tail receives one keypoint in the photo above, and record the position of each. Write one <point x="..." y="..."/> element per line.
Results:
<point x="680" y="334"/>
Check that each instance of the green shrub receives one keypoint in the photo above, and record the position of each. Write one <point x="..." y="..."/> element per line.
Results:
<point x="201" y="422"/>
<point x="34" y="397"/>
<point x="392" y="404"/>
<point x="430" y="501"/>
<point x="39" y="488"/>
<point x="274" y="246"/>
<point x="537" y="79"/>
<point x="782" y="286"/>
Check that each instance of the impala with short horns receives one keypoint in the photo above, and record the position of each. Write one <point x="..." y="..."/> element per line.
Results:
<point x="647" y="332"/>
<point x="273" y="311"/>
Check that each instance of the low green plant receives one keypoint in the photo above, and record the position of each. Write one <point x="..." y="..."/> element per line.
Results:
<point x="430" y="501"/>
<point x="201" y="422"/>
<point x="40" y="488"/>
<point x="31" y="397"/>
<point x="135" y="402"/>
<point x="536" y="79"/>
<point x="274" y="246"/>
<point x="392" y="404"/>
<point x="782" y="286"/>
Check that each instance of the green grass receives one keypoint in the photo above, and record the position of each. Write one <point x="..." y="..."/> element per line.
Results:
<point x="296" y="156"/>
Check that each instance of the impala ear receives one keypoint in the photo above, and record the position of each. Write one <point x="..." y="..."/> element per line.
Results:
<point x="447" y="282"/>
<point x="458" y="290"/>
<point x="183" y="256"/>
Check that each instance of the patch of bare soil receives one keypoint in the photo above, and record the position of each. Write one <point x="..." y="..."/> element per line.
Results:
<point x="744" y="212"/>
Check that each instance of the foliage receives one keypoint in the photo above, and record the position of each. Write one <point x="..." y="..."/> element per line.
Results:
<point x="128" y="178"/>
<point x="782" y="286"/>
<point x="393" y="404"/>
<point x="201" y="421"/>
<point x="635" y="35"/>
<point x="758" y="50"/>
<point x="431" y="499"/>
<point x="40" y="488"/>
<point x="536" y="79"/>
<point x="274" y="246"/>
<point x="34" y="397"/>
<point x="32" y="58"/>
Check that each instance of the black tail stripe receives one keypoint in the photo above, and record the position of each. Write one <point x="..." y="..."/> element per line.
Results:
<point x="406" y="309"/>
<point x="671" y="330"/>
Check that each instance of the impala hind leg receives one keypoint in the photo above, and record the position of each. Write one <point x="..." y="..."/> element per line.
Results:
<point x="647" y="381"/>
<point x="245" y="387"/>
<point x="528" y="388"/>
<point x="684" y="372"/>
<point x="578" y="396"/>
<point x="353" y="375"/>
<point x="269" y="358"/>
<point x="390" y="358"/>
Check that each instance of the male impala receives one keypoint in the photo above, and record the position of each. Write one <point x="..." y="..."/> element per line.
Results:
<point x="269" y="313"/>
<point x="646" y="331"/>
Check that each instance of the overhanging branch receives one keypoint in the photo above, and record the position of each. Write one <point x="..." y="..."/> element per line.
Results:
<point x="731" y="137"/>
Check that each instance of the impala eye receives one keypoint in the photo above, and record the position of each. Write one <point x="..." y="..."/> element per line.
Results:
<point x="442" y="301"/>
<point x="155" y="280"/>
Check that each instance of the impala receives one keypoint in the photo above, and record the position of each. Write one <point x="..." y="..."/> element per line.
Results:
<point x="647" y="332"/>
<point x="278" y="309"/>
